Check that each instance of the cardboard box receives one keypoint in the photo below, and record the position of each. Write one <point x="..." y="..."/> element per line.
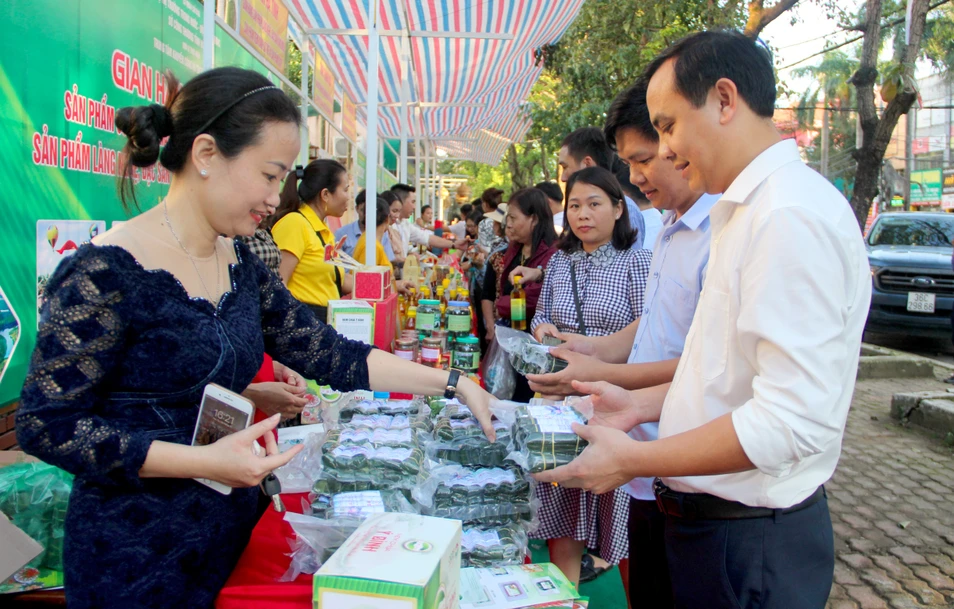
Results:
<point x="394" y="561"/>
<point x="373" y="283"/>
<point x="352" y="319"/>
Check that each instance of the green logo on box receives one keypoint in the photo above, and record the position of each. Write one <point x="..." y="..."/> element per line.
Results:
<point x="416" y="545"/>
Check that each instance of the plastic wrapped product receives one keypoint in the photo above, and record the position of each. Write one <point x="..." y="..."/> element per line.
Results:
<point x="462" y="441"/>
<point x="384" y="421"/>
<point x="493" y="546"/>
<point x="333" y="519"/>
<point x="34" y="497"/>
<point x="480" y="496"/>
<point x="526" y="355"/>
<point x="499" y="376"/>
<point x="542" y="436"/>
<point x="347" y="434"/>
<point x="370" y="407"/>
<point x="382" y="465"/>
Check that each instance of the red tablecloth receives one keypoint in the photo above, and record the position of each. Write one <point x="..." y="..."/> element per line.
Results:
<point x="254" y="582"/>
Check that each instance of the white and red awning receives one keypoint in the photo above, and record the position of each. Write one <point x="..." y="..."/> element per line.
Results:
<point x="471" y="64"/>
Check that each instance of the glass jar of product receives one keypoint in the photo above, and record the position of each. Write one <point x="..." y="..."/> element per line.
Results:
<point x="428" y="315"/>
<point x="431" y="352"/>
<point x="458" y="318"/>
<point x="444" y="338"/>
<point x="467" y="354"/>
<point x="406" y="348"/>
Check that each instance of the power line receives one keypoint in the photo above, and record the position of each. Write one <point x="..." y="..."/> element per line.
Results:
<point x="856" y="38"/>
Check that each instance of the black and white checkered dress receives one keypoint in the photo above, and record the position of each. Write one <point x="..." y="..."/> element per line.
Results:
<point x="611" y="284"/>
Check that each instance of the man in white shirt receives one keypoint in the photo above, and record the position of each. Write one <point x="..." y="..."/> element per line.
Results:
<point x="555" y="198"/>
<point x="411" y="233"/>
<point x="751" y="426"/>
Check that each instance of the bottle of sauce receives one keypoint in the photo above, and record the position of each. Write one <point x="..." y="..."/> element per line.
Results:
<point x="518" y="305"/>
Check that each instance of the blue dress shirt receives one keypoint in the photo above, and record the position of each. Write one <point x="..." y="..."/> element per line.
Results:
<point x="680" y="257"/>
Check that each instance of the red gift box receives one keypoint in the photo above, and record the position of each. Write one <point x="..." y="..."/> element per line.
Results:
<point x="385" y="322"/>
<point x="373" y="283"/>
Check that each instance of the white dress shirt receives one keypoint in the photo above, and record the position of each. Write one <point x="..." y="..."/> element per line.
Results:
<point x="654" y="224"/>
<point x="676" y="276"/>
<point x="411" y="234"/>
<point x="558" y="222"/>
<point x="776" y="337"/>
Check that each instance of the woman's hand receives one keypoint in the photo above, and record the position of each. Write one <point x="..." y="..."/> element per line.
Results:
<point x="478" y="401"/>
<point x="234" y="462"/>
<point x="527" y="274"/>
<point x="491" y="331"/>
<point x="286" y="396"/>
<point x="545" y="330"/>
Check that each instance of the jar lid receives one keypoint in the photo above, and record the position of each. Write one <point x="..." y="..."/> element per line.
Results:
<point x="430" y="303"/>
<point x="468" y="340"/>
<point x="431" y="341"/>
<point x="459" y="303"/>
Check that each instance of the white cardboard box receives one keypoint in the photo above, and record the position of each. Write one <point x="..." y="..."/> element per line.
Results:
<point x="394" y="561"/>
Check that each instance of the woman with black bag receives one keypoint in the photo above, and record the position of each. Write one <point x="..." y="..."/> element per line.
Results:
<point x="593" y="285"/>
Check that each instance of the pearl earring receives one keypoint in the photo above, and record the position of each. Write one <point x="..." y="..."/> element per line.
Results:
<point x="204" y="173"/>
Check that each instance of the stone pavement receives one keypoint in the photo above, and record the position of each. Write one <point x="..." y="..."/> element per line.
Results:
<point x="892" y="507"/>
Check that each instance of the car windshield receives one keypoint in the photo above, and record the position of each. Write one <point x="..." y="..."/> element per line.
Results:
<point x="909" y="229"/>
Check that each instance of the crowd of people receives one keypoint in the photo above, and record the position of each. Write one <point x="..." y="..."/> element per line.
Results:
<point x="706" y="289"/>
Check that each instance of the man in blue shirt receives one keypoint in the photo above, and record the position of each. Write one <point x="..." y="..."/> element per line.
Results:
<point x="646" y="353"/>
<point x="587" y="147"/>
<point x="352" y="231"/>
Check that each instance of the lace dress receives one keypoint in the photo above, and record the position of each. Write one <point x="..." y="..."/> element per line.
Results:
<point x="121" y="359"/>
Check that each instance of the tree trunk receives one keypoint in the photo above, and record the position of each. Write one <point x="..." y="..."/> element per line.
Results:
<point x="759" y="16"/>
<point x="877" y="131"/>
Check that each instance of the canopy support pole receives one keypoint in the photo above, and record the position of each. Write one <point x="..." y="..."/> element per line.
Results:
<point x="371" y="138"/>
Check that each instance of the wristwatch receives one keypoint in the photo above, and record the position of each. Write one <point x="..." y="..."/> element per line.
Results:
<point x="543" y="272"/>
<point x="450" y="392"/>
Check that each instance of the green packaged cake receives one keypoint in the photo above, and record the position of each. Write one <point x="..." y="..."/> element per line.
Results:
<point x="483" y="495"/>
<point x="543" y="436"/>
<point x="483" y="546"/>
<point x="461" y="440"/>
<point x="370" y="407"/>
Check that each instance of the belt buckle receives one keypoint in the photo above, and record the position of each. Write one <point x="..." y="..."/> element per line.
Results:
<point x="668" y="502"/>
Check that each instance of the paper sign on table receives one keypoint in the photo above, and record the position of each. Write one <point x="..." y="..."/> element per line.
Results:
<point x="515" y="587"/>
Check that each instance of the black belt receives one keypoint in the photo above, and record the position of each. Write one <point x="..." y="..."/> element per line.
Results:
<point x="701" y="506"/>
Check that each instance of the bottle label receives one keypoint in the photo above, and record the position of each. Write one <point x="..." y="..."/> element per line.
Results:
<point x="458" y="323"/>
<point x="426" y="321"/>
<point x="466" y="361"/>
<point x="430" y="354"/>
<point x="518" y="309"/>
<point x="407" y="355"/>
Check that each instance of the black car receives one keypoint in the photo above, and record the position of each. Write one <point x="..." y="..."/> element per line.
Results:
<point x="911" y="274"/>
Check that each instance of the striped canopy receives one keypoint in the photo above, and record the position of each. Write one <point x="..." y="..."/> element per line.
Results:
<point x="472" y="64"/>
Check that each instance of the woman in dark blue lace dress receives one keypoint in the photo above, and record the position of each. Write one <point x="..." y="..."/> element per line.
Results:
<point x="134" y="328"/>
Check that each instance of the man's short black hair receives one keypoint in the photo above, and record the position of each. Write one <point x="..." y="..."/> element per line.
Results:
<point x="361" y="198"/>
<point x="629" y="111"/>
<point x="465" y="210"/>
<point x="589" y="142"/>
<point x="703" y="58"/>
<point x="402" y="191"/>
<point x="551" y="190"/>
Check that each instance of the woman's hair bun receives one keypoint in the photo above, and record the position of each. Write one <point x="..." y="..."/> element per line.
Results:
<point x="145" y="127"/>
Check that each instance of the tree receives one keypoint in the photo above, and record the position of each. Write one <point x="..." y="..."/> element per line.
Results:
<point x="876" y="131"/>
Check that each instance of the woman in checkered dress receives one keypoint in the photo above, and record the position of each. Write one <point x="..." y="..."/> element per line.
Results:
<point x="593" y="285"/>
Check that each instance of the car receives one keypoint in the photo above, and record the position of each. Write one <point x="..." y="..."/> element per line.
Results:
<point x="912" y="278"/>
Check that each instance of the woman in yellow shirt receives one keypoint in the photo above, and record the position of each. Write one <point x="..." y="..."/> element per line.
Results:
<point x="310" y="195"/>
<point x="360" y="249"/>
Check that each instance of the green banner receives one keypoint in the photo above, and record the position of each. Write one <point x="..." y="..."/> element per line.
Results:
<point x="65" y="69"/>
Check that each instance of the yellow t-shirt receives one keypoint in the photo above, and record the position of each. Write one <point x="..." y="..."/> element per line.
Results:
<point x="381" y="258"/>
<point x="313" y="280"/>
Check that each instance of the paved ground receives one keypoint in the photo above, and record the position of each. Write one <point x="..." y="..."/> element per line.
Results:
<point x="892" y="504"/>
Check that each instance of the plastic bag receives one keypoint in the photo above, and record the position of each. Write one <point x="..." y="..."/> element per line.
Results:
<point x="498" y="546"/>
<point x="478" y="495"/>
<point x="371" y="407"/>
<point x="527" y="356"/>
<point x="299" y="474"/>
<point x="460" y="439"/>
<point x="499" y="376"/>
<point x="333" y="519"/>
<point x="34" y="496"/>
<point x="541" y="434"/>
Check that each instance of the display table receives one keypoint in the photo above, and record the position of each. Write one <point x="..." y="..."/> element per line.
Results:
<point x="254" y="582"/>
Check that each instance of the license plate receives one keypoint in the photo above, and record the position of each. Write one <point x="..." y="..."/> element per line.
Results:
<point x="921" y="302"/>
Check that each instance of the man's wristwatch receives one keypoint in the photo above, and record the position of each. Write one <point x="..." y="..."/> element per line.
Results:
<point x="450" y="392"/>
